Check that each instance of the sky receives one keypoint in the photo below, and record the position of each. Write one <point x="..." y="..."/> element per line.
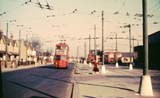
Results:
<point x="72" y="20"/>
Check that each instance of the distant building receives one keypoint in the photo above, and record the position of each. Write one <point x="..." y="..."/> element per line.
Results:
<point x="15" y="50"/>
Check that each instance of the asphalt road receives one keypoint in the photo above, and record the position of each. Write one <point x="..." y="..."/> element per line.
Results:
<point x="39" y="82"/>
<point x="80" y="81"/>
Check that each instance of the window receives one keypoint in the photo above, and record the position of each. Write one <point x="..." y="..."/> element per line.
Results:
<point x="57" y="57"/>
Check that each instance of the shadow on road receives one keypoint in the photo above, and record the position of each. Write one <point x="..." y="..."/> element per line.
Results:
<point x="38" y="82"/>
<point x="37" y="97"/>
<point x="108" y="86"/>
<point x="88" y="96"/>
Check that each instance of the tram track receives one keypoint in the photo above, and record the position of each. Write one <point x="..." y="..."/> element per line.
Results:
<point x="55" y="83"/>
<point x="30" y="88"/>
<point x="74" y="90"/>
<point x="45" y="93"/>
<point x="42" y="92"/>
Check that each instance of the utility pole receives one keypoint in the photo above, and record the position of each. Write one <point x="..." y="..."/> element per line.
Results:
<point x="19" y="45"/>
<point x="6" y="48"/>
<point x="116" y="47"/>
<point x="102" y="38"/>
<point x="85" y="50"/>
<point x="27" y="44"/>
<point x="116" y="51"/>
<point x="7" y="41"/>
<point x="145" y="37"/>
<point x="89" y="43"/>
<point x="77" y="53"/>
<point x="145" y="88"/>
<point x="19" y="42"/>
<point x="133" y="47"/>
<point x="130" y="49"/>
<point x="89" y="39"/>
<point x="95" y="50"/>
<point x="103" y="66"/>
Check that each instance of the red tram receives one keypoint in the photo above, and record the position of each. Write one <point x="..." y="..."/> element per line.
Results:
<point x="61" y="57"/>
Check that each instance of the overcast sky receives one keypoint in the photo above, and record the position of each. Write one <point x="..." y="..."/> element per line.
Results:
<point x="73" y="20"/>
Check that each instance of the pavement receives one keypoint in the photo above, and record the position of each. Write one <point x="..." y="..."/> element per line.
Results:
<point x="115" y="83"/>
<point x="22" y="67"/>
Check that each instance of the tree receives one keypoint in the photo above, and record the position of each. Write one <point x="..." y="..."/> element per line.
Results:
<point x="1" y="33"/>
<point x="36" y="44"/>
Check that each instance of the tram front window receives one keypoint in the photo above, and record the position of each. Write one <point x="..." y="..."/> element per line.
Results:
<point x="63" y="57"/>
<point x="58" y="57"/>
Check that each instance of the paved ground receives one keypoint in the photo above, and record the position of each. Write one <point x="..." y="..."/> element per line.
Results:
<point x="38" y="82"/>
<point x="77" y="81"/>
<point x="116" y="83"/>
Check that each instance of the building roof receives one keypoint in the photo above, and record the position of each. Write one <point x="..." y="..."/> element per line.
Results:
<point x="154" y="38"/>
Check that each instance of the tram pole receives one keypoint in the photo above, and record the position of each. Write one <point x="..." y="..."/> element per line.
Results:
<point x="102" y="38"/>
<point x="130" y="48"/>
<point x="145" y="88"/>
<point x="19" y="47"/>
<point x="85" y="50"/>
<point x="77" y="54"/>
<point x="89" y="43"/>
<point x="103" y="66"/>
<point x="95" y="50"/>
<point x="116" y="52"/>
<point x="6" y="46"/>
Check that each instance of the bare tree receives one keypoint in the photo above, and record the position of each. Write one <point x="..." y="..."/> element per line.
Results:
<point x="36" y="44"/>
<point x="1" y="33"/>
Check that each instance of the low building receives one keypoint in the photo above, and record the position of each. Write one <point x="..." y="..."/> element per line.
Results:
<point x="12" y="51"/>
<point x="154" y="51"/>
